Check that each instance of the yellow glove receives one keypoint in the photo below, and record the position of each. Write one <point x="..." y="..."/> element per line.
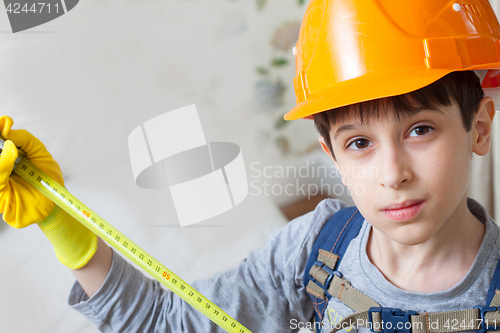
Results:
<point x="22" y="205"/>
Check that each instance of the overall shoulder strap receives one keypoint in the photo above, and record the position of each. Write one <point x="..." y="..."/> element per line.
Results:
<point x="330" y="246"/>
<point x="493" y="297"/>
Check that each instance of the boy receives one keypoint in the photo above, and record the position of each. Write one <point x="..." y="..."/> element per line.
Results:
<point x="406" y="137"/>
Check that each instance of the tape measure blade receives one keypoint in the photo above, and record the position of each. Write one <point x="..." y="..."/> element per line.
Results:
<point x="73" y="206"/>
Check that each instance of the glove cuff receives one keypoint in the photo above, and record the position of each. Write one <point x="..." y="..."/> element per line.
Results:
<point x="73" y="243"/>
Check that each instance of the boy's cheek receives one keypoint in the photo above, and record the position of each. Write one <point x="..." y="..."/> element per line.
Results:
<point x="344" y="181"/>
<point x="361" y="191"/>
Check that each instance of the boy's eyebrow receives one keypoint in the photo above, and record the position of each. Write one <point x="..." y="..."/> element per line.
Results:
<point x="345" y="128"/>
<point x="349" y="127"/>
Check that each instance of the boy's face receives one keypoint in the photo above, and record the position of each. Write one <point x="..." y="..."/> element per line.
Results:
<point x="421" y="162"/>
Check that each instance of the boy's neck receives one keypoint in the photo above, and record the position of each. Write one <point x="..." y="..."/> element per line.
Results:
<point x="438" y="264"/>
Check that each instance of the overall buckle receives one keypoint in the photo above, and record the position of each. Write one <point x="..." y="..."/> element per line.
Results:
<point x="392" y="320"/>
<point x="331" y="274"/>
<point x="484" y="323"/>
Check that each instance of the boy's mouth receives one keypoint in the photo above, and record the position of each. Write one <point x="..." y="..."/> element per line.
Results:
<point x="403" y="211"/>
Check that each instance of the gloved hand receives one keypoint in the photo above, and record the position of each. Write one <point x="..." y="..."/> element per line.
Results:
<point x="22" y="205"/>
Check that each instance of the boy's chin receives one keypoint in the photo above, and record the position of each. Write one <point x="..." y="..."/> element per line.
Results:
<point x="408" y="235"/>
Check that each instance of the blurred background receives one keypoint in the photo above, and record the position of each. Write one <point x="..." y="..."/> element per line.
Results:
<point x="83" y="82"/>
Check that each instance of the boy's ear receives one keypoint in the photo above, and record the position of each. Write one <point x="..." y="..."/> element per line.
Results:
<point x="481" y="134"/>
<point x="321" y="140"/>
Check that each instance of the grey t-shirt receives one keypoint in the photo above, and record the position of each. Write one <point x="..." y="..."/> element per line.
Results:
<point x="265" y="292"/>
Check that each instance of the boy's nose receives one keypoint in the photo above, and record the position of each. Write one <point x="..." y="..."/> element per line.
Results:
<point x="394" y="169"/>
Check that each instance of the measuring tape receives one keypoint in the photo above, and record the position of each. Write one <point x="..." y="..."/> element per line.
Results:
<point x="61" y="197"/>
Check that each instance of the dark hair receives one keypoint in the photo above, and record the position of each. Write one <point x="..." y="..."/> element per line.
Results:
<point x="462" y="87"/>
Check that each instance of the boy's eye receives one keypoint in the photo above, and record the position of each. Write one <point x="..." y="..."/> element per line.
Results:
<point x="420" y="130"/>
<point x="359" y="144"/>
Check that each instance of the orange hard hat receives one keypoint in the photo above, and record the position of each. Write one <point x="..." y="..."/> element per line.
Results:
<point x="350" y="51"/>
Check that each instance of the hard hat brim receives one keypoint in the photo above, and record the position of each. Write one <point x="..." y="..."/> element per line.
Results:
<point x="394" y="83"/>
